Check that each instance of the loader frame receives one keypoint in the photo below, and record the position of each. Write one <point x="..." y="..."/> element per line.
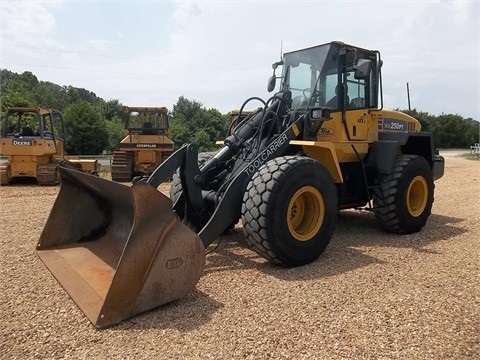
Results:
<point x="285" y="170"/>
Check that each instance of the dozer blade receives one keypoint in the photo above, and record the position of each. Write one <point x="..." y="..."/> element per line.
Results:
<point x="118" y="250"/>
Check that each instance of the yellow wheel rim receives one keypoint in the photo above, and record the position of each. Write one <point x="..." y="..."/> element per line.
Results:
<point x="305" y="213"/>
<point x="417" y="196"/>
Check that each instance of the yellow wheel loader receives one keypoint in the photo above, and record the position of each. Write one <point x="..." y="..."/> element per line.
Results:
<point x="146" y="145"/>
<point x="285" y="170"/>
<point x="32" y="142"/>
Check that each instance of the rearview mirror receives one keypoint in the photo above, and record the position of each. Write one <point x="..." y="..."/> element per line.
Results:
<point x="277" y="64"/>
<point x="363" y="69"/>
<point x="271" y="83"/>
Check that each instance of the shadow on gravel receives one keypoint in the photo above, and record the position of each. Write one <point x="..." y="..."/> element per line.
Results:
<point x="23" y="181"/>
<point x="348" y="249"/>
<point x="184" y="315"/>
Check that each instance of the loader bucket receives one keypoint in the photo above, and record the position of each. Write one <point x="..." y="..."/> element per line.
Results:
<point x="118" y="250"/>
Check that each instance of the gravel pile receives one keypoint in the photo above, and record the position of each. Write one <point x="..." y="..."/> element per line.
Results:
<point x="371" y="295"/>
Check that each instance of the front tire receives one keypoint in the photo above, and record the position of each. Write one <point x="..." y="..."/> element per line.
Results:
<point x="403" y="199"/>
<point x="290" y="210"/>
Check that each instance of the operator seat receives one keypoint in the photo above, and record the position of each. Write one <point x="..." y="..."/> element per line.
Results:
<point x="357" y="103"/>
<point x="333" y="102"/>
<point x="27" y="131"/>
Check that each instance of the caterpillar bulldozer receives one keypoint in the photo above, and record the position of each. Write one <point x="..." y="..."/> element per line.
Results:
<point x="285" y="170"/>
<point x="33" y="142"/>
<point x="147" y="143"/>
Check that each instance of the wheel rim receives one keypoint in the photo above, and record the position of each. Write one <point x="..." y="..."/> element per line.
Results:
<point x="417" y="196"/>
<point x="305" y="213"/>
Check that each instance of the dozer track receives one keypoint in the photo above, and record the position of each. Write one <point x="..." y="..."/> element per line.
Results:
<point x="122" y="166"/>
<point x="47" y="175"/>
<point x="5" y="174"/>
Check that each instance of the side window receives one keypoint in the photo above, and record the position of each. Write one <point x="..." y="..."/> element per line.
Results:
<point x="11" y="124"/>
<point x="330" y="86"/>
<point x="356" y="92"/>
<point x="300" y="79"/>
<point x="372" y="91"/>
<point x="57" y="126"/>
<point x="161" y="121"/>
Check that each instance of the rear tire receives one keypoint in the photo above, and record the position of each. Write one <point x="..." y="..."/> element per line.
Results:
<point x="289" y="210"/>
<point x="403" y="199"/>
<point x="176" y="184"/>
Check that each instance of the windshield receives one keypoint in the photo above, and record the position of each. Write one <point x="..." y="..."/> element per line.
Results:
<point x="146" y="118"/>
<point x="311" y="75"/>
<point x="30" y="123"/>
<point x="324" y="75"/>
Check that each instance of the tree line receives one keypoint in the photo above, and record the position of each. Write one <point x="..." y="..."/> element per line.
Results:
<point x="94" y="124"/>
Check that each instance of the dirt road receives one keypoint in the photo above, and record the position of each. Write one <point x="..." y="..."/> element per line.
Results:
<point x="371" y="295"/>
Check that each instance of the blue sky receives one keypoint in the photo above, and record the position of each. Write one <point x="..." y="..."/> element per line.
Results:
<point x="220" y="52"/>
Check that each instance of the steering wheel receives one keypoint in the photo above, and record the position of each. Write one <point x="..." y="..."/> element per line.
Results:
<point x="311" y="95"/>
<point x="299" y="102"/>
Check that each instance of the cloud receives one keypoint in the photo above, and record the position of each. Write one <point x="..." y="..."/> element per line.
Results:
<point x="184" y="13"/>
<point x="220" y="53"/>
<point x="27" y="23"/>
<point x="99" y="45"/>
<point x="436" y="50"/>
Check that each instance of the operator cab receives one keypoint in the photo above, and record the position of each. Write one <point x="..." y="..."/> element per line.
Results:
<point x="146" y="120"/>
<point x="22" y="122"/>
<point x="334" y="75"/>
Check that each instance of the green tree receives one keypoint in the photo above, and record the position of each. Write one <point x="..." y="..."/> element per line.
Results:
<point x="192" y="123"/>
<point x="111" y="109"/>
<point x="202" y="139"/>
<point x="185" y="117"/>
<point x="28" y="82"/>
<point x="46" y="98"/>
<point x="180" y="133"/>
<point x="71" y="96"/>
<point x="55" y="98"/>
<point x="218" y="124"/>
<point x="13" y="99"/>
<point x="424" y="118"/>
<point x="116" y="133"/>
<point x="452" y="131"/>
<point x="473" y="135"/>
<point x="449" y="130"/>
<point x="88" y="96"/>
<point x="20" y="90"/>
<point x="86" y="129"/>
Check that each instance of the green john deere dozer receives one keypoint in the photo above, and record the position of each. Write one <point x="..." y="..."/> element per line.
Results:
<point x="286" y="170"/>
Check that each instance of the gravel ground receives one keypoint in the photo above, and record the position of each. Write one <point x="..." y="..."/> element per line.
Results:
<point x="371" y="295"/>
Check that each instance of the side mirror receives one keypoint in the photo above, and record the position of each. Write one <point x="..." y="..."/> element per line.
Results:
<point x="363" y="69"/>
<point x="271" y="83"/>
<point x="276" y="64"/>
